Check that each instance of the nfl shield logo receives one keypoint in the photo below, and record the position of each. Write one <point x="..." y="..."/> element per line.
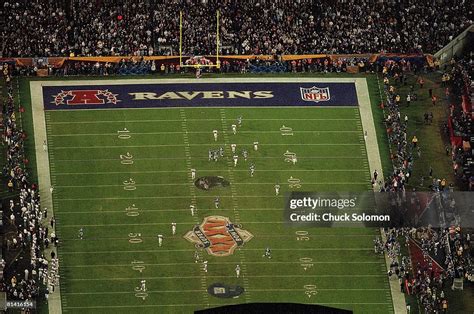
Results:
<point x="315" y="94"/>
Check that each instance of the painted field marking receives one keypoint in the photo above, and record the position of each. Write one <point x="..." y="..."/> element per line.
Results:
<point x="283" y="131"/>
<point x="130" y="185"/>
<point x="191" y="120"/>
<point x="206" y="170"/>
<point x="211" y="304"/>
<point x="197" y="145"/>
<point x="167" y="251"/>
<point x="206" y="158"/>
<point x="227" y="276"/>
<point x="304" y="262"/>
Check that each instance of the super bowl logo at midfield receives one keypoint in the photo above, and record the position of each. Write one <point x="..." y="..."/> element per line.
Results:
<point x="218" y="235"/>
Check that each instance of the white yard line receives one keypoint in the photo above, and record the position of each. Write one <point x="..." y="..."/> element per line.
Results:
<point x="255" y="290"/>
<point x="208" y="170"/>
<point x="225" y="263"/>
<point x="206" y="158"/>
<point x="196" y="132"/>
<point x="197" y="120"/>
<point x="163" y="210"/>
<point x="167" y="251"/>
<point x="184" y="184"/>
<point x="166" y="223"/>
<point x="227" y="276"/>
<point x="177" y="196"/>
<point x="197" y="145"/>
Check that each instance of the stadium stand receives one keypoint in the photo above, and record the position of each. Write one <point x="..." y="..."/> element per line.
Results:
<point x="419" y="269"/>
<point x="459" y="124"/>
<point x="142" y="28"/>
<point x="25" y="233"/>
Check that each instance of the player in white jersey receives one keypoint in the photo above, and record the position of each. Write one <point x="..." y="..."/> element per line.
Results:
<point x="193" y="209"/>
<point x="277" y="189"/>
<point x="215" y="135"/>
<point x="252" y="169"/>
<point x="160" y="240"/>
<point x="234" y="129"/>
<point x="204" y="266"/>
<point x="232" y="147"/>
<point x="268" y="253"/>
<point x="237" y="271"/>
<point x="255" y="146"/>
<point x="239" y="121"/>
<point x="236" y="158"/>
<point x="143" y="285"/>
<point x="196" y="257"/>
<point x="173" y="228"/>
<point x="217" y="202"/>
<point x="193" y="174"/>
<point x="293" y="159"/>
<point x="245" y="154"/>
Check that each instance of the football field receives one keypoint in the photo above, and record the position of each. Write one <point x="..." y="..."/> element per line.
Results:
<point x="121" y="176"/>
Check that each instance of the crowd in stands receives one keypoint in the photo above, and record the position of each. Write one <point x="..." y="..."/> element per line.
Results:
<point x="461" y="125"/>
<point x="27" y="236"/>
<point x="151" y="27"/>
<point x="403" y="149"/>
<point x="420" y="274"/>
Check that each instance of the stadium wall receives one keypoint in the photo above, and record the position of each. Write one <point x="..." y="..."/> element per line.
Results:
<point x="459" y="46"/>
<point x="58" y="62"/>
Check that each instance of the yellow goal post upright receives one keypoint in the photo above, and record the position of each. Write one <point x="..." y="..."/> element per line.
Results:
<point x="181" y="64"/>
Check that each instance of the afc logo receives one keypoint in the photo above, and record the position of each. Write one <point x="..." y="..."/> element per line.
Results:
<point x="315" y="94"/>
<point x="85" y="97"/>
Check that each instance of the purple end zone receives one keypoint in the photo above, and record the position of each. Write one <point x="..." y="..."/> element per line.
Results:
<point x="200" y="95"/>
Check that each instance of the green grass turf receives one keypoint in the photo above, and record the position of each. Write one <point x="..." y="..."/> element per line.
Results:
<point x="97" y="274"/>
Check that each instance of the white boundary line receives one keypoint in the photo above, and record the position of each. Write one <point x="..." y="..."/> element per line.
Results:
<point x="44" y="177"/>
<point x="212" y="304"/>
<point x="366" y="117"/>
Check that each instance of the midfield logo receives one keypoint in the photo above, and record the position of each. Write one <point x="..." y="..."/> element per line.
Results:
<point x="218" y="235"/>
<point x="85" y="97"/>
<point x="315" y="94"/>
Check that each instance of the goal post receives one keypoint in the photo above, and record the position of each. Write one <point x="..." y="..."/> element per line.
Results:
<point x="198" y="65"/>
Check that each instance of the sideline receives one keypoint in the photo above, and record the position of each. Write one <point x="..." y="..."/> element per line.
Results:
<point x="373" y="155"/>
<point x="44" y="181"/>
